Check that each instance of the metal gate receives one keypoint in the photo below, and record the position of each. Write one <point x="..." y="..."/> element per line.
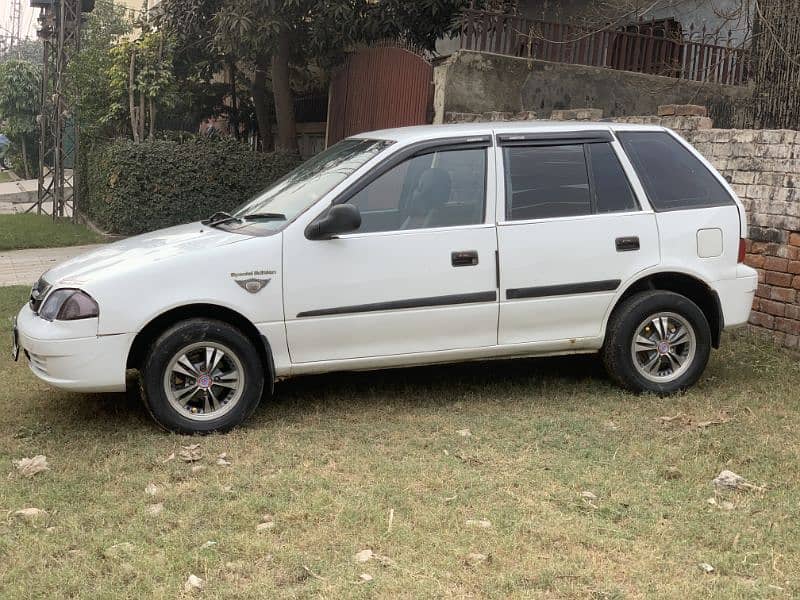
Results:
<point x="378" y="88"/>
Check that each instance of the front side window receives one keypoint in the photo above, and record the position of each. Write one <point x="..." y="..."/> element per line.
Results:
<point x="312" y="180"/>
<point x="444" y="188"/>
<point x="672" y="176"/>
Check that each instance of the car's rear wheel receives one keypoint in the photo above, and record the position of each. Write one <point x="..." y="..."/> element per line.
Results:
<point x="201" y="376"/>
<point x="657" y="342"/>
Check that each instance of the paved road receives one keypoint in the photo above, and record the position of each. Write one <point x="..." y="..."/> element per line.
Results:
<point x="24" y="267"/>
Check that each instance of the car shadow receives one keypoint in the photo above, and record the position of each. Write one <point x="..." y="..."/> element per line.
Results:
<point x="409" y="386"/>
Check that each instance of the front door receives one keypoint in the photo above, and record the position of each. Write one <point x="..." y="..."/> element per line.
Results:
<point x="418" y="276"/>
<point x="572" y="232"/>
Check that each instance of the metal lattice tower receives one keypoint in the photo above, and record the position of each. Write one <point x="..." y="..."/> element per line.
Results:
<point x="59" y="144"/>
<point x="16" y="22"/>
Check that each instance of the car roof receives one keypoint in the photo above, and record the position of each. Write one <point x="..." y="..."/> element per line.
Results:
<point x="428" y="132"/>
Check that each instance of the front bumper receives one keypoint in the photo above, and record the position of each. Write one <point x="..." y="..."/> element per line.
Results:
<point x="736" y="296"/>
<point x="71" y="356"/>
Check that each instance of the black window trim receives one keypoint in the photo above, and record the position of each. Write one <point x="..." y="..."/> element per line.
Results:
<point x="556" y="138"/>
<point x="414" y="150"/>
<point x="586" y="144"/>
<point x="642" y="178"/>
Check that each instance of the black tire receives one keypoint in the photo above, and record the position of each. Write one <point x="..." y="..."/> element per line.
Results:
<point x="171" y="344"/>
<point x="617" y="352"/>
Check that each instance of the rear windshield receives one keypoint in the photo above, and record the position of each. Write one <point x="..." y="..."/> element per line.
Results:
<point x="672" y="176"/>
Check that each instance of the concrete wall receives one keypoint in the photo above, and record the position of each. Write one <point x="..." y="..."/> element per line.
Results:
<point x="477" y="82"/>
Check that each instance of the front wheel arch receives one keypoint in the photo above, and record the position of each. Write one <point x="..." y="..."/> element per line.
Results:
<point x="150" y="333"/>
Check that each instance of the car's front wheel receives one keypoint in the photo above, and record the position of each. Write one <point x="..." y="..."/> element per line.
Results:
<point x="202" y="376"/>
<point x="658" y="342"/>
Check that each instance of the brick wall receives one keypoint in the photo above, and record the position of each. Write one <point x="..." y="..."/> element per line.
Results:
<point x="763" y="167"/>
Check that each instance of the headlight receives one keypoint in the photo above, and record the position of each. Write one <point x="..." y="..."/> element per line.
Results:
<point x="69" y="305"/>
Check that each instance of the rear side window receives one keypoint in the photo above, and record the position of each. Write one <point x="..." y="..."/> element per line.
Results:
<point x="673" y="177"/>
<point x="546" y="181"/>
<point x="566" y="180"/>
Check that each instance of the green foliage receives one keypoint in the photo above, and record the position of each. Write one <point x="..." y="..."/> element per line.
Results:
<point x="20" y="84"/>
<point x="133" y="188"/>
<point x="29" y="50"/>
<point x="89" y="72"/>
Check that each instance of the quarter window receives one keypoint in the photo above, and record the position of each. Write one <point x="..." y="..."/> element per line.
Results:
<point x="672" y="176"/>
<point x="438" y="189"/>
<point x="612" y="191"/>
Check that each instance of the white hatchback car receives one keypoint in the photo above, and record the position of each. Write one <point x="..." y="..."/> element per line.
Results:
<point x="410" y="247"/>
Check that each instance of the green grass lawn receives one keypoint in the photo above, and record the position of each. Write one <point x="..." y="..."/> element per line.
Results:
<point x="18" y="232"/>
<point x="332" y="457"/>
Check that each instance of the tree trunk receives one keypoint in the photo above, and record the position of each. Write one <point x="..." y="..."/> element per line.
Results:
<point x="153" y="111"/>
<point x="263" y="113"/>
<point x="131" y="92"/>
<point x="25" y="158"/>
<point x="142" y="115"/>
<point x="282" y="90"/>
<point x="234" y="120"/>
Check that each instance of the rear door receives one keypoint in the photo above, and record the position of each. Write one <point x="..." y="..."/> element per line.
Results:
<point x="571" y="232"/>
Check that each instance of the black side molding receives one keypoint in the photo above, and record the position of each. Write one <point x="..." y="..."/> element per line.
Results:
<point x="450" y="300"/>
<point x="569" y="289"/>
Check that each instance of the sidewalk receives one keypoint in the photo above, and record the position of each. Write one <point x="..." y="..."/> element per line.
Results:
<point x="18" y="196"/>
<point x="24" y="267"/>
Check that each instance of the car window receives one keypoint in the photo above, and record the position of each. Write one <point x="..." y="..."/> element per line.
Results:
<point x="610" y="186"/>
<point x="439" y="189"/>
<point x="312" y="180"/>
<point x="546" y="182"/>
<point x="672" y="176"/>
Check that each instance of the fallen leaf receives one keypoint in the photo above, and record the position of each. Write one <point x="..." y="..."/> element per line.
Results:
<point x="155" y="509"/>
<point x="151" y="489"/>
<point x="671" y="419"/>
<point x="193" y="584"/>
<point x="198" y="468"/>
<point x="363" y="556"/>
<point x="729" y="479"/>
<point x="464" y="432"/>
<point x="588" y="496"/>
<point x="28" y="467"/>
<point x="30" y="514"/>
<point x="475" y="558"/>
<point x="169" y="458"/>
<point x="265" y="526"/>
<point x="365" y="577"/>
<point x="208" y="544"/>
<point x="705" y="567"/>
<point x="222" y="460"/>
<point x="191" y="453"/>
<point x="480" y="523"/>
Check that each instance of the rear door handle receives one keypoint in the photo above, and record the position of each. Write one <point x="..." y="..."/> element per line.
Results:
<point x="464" y="258"/>
<point x="627" y="244"/>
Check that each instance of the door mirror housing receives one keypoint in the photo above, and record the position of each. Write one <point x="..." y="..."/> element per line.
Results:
<point x="340" y="218"/>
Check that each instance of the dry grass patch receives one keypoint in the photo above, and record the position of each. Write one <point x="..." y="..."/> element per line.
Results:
<point x="587" y="492"/>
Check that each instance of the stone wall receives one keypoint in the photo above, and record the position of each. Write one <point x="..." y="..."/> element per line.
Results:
<point x="478" y="82"/>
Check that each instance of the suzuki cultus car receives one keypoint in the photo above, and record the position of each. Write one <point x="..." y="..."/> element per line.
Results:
<point x="411" y="247"/>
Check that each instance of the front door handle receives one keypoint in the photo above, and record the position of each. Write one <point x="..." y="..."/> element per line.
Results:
<point x="627" y="244"/>
<point x="464" y="258"/>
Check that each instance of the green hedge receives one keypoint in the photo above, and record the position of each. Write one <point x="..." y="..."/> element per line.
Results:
<point x="132" y="188"/>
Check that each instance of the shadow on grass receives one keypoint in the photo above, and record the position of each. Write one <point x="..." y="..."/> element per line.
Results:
<point x="416" y="387"/>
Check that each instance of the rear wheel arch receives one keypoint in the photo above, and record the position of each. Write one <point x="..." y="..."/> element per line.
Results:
<point x="150" y="333"/>
<point x="686" y="285"/>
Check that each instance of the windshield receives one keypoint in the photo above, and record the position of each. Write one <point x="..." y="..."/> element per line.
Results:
<point x="309" y="182"/>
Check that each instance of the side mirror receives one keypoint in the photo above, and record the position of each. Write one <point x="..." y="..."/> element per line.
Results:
<point x="340" y="218"/>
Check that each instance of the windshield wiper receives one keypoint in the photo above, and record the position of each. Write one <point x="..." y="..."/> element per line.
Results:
<point x="265" y="217"/>
<point x="218" y="218"/>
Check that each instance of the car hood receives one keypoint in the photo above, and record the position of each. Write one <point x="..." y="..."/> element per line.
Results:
<point x="140" y="251"/>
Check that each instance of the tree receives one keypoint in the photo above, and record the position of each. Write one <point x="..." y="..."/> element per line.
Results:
<point x="20" y="85"/>
<point x="90" y="87"/>
<point x="276" y="36"/>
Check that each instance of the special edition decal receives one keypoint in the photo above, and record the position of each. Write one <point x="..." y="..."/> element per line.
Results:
<point x="253" y="281"/>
